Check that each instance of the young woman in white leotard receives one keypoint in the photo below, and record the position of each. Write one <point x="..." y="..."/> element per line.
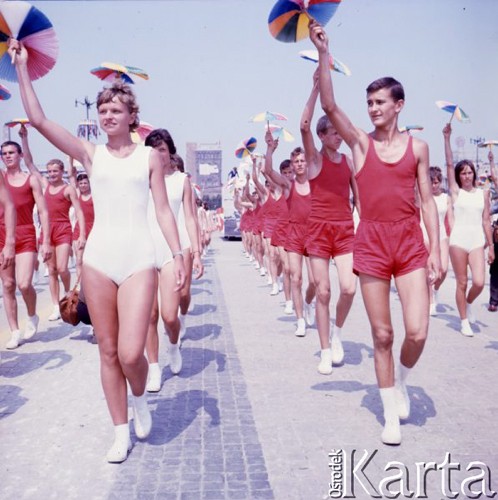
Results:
<point x="470" y="232"/>
<point x="118" y="264"/>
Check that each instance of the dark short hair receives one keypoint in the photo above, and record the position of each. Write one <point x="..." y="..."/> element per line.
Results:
<point x="297" y="151"/>
<point x="178" y="161"/>
<point x="81" y="176"/>
<point x="323" y="124"/>
<point x="389" y="83"/>
<point x="159" y="135"/>
<point x="435" y="174"/>
<point x="458" y="170"/>
<point x="285" y="164"/>
<point x="12" y="143"/>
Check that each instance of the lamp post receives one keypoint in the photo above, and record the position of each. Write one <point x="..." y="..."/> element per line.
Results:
<point x="89" y="127"/>
<point x="477" y="141"/>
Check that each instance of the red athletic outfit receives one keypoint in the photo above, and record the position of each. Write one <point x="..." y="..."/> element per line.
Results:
<point x="271" y="212"/>
<point x="330" y="227"/>
<point x="389" y="240"/>
<point x="88" y="214"/>
<point x="58" y="214"/>
<point x="299" y="212"/>
<point x="24" y="202"/>
<point x="257" y="222"/>
<point x="279" y="234"/>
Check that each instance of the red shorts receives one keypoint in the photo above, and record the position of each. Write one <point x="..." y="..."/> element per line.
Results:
<point x="25" y="237"/>
<point x="279" y="235"/>
<point x="296" y="238"/>
<point x="385" y="249"/>
<point x="269" y="226"/>
<point x="76" y="232"/>
<point x="329" y="239"/>
<point x="60" y="233"/>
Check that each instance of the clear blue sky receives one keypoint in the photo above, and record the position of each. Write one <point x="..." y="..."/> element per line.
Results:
<point x="213" y="64"/>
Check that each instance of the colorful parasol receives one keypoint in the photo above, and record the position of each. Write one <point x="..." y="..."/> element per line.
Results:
<point x="278" y="132"/>
<point x="141" y="133"/>
<point x="289" y="19"/>
<point x="87" y="129"/>
<point x="4" y="93"/>
<point x="455" y="110"/>
<point x="109" y="72"/>
<point x="335" y="64"/>
<point x="267" y="116"/>
<point x="409" y="128"/>
<point x="488" y="144"/>
<point x="26" y="23"/>
<point x="17" y="121"/>
<point x="197" y="191"/>
<point x="245" y="148"/>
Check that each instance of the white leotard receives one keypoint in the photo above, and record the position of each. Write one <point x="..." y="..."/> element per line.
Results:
<point x="467" y="232"/>
<point x="174" y="187"/>
<point x="442" y="208"/>
<point x="120" y="243"/>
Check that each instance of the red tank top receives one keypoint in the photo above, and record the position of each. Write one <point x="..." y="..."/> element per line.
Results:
<point x="57" y="205"/>
<point x="330" y="191"/>
<point x="24" y="202"/>
<point x="283" y="209"/>
<point x="299" y="206"/>
<point x="387" y="190"/>
<point x="88" y="211"/>
<point x="272" y="207"/>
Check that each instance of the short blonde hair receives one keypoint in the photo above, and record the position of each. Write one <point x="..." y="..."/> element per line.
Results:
<point x="125" y="94"/>
<point x="57" y="162"/>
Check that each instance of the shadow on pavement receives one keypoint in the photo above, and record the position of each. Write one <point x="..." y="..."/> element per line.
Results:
<point x="422" y="406"/>
<point x="195" y="360"/>
<point x="10" y="400"/>
<point x="353" y="352"/>
<point x="202" y="332"/>
<point x="56" y="332"/>
<point x="16" y="363"/>
<point x="83" y="334"/>
<point x="174" y="415"/>
<point x="202" y="309"/>
<point x="492" y="345"/>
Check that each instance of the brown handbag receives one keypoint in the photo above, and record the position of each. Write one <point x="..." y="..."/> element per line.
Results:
<point x="68" y="305"/>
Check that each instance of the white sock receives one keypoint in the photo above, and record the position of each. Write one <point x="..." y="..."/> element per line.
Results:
<point x="337" y="332"/>
<point x="392" y="432"/>
<point x="403" y="372"/>
<point x="122" y="432"/>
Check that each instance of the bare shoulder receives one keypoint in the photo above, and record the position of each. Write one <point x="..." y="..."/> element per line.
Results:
<point x="420" y="147"/>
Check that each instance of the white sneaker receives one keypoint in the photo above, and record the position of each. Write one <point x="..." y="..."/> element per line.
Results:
<point x="466" y="329"/>
<point x="154" y="378"/>
<point x="36" y="278"/>
<point x="119" y="451"/>
<point x="15" y="340"/>
<point x="45" y="273"/>
<point x="274" y="289"/>
<point x="337" y="350"/>
<point x="141" y="416"/>
<point x="309" y="313"/>
<point x="433" y="309"/>
<point x="301" y="328"/>
<point x="470" y="314"/>
<point x="183" y="328"/>
<point x="256" y="265"/>
<point x="269" y="281"/>
<point x="325" y="366"/>
<point x="280" y="283"/>
<point x="262" y="271"/>
<point x="56" y="314"/>
<point x="175" y="359"/>
<point x="251" y="258"/>
<point x="289" y="307"/>
<point x="31" y="326"/>
<point x="402" y="401"/>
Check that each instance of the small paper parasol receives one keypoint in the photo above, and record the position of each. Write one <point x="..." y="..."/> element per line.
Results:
<point x="17" y="121"/>
<point x="245" y="148"/>
<point x="141" y="133"/>
<point x="26" y="23"/>
<point x="110" y="72"/>
<point x="289" y="19"/>
<point x="455" y="110"/>
<point x="4" y="93"/>
<point x="409" y="128"/>
<point x="335" y="64"/>
<point x="267" y="116"/>
<point x="280" y="132"/>
<point x="488" y="144"/>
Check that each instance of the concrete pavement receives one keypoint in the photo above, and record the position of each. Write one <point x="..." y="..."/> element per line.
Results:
<point x="249" y="416"/>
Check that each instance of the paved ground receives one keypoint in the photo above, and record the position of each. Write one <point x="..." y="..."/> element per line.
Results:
<point x="249" y="416"/>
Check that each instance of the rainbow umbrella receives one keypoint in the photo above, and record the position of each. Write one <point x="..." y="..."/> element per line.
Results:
<point x="335" y="64"/>
<point x="408" y="128"/>
<point x="245" y="148"/>
<point x="289" y="19"/>
<point x="280" y="132"/>
<point x="4" y="93"/>
<point x="455" y="110"/>
<point x="109" y="72"/>
<point x="267" y="116"/>
<point x="488" y="144"/>
<point x="26" y="23"/>
<point x="17" y="121"/>
<point x="141" y="133"/>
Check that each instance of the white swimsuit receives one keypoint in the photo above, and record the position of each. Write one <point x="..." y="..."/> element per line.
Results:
<point x="442" y="208"/>
<point x="467" y="232"/>
<point x="174" y="187"/>
<point x="120" y="243"/>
